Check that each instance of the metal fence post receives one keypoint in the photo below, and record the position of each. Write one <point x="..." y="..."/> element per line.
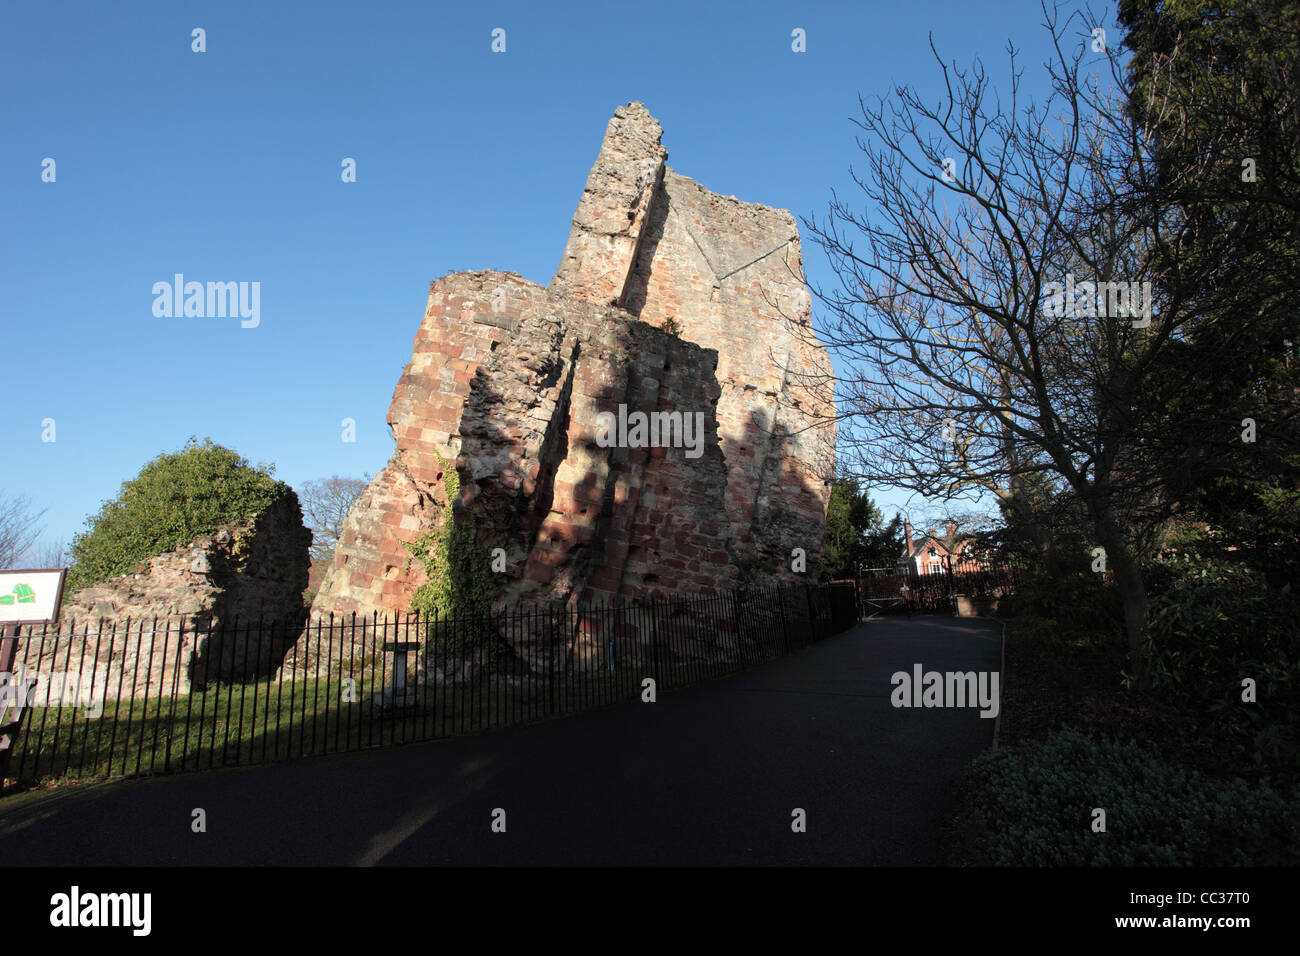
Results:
<point x="740" y="643"/>
<point x="812" y="612"/>
<point x="654" y="638"/>
<point x="785" y="628"/>
<point x="9" y="732"/>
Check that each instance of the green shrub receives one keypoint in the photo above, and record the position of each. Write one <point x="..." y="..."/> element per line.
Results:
<point x="1032" y="805"/>
<point x="175" y="499"/>
<point x="1061" y="599"/>
<point x="1208" y="627"/>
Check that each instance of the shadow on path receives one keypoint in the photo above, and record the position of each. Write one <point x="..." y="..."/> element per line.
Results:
<point x="705" y="776"/>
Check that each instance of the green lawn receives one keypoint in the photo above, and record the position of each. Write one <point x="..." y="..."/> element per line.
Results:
<point x="256" y="722"/>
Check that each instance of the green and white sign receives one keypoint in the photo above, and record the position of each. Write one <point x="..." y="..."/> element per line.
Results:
<point x="30" y="597"/>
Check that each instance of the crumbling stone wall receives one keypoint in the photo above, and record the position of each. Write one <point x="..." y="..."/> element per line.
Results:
<point x="188" y="615"/>
<point x="668" y="298"/>
<point x="255" y="569"/>
<point x="730" y="276"/>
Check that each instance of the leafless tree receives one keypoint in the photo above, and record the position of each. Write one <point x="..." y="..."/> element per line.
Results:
<point x="964" y="523"/>
<point x="964" y="371"/>
<point x="325" y="504"/>
<point x="47" y="554"/>
<point x="20" y="526"/>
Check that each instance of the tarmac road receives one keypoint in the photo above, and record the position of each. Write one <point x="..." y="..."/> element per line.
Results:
<point x="710" y="775"/>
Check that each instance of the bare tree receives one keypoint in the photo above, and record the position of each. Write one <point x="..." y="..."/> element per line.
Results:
<point x="47" y="554"/>
<point x="19" y="528"/>
<point x="325" y="504"/>
<point x="964" y="523"/>
<point x="971" y="361"/>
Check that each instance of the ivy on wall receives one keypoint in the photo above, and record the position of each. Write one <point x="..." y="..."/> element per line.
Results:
<point x="458" y="570"/>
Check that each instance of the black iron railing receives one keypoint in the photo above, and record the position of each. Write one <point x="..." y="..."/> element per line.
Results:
<point x="904" y="591"/>
<point x="159" y="696"/>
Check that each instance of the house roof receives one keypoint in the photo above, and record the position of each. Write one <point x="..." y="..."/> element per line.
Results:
<point x="947" y="544"/>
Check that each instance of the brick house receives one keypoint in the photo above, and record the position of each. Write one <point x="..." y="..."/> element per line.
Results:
<point x="932" y="553"/>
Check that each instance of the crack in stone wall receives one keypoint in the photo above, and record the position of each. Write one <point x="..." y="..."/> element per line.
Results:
<point x="667" y="298"/>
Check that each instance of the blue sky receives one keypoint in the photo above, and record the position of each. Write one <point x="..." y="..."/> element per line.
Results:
<point x="225" y="166"/>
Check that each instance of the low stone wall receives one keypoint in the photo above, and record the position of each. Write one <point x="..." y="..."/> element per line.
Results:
<point x="984" y="606"/>
<point x="256" y="569"/>
<point x="224" y="607"/>
<point x="108" y="662"/>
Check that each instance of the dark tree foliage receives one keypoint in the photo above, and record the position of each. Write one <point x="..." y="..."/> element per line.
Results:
<point x="856" y="533"/>
<point x="1217" y="87"/>
<point x="962" y="375"/>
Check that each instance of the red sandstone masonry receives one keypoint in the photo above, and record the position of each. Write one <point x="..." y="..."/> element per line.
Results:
<point x="506" y="381"/>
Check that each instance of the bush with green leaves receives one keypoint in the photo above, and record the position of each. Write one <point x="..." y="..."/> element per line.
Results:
<point x="1032" y="805"/>
<point x="1209" y="627"/>
<point x="176" y="498"/>
<point x="857" y="535"/>
<point x="1060" y="598"/>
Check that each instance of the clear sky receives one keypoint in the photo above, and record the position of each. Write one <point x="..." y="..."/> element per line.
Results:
<point x="225" y="166"/>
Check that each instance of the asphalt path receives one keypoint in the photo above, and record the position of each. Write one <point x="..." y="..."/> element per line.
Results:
<point x="710" y="775"/>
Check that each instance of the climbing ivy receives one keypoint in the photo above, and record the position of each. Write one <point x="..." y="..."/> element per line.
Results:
<point x="450" y="478"/>
<point x="241" y="550"/>
<point x="458" y="569"/>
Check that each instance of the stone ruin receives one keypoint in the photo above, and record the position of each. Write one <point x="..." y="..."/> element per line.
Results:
<point x="255" y="569"/>
<point x="205" y="609"/>
<point x="669" y="298"/>
<point x="671" y="301"/>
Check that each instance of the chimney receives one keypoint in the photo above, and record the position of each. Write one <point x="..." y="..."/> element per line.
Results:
<point x="950" y="529"/>
<point x="907" y="529"/>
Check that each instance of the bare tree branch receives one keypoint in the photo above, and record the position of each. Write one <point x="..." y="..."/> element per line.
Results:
<point x="20" y="526"/>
